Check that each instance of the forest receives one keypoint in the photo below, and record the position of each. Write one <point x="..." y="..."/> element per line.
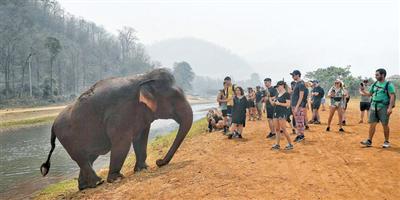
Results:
<point x="49" y="54"/>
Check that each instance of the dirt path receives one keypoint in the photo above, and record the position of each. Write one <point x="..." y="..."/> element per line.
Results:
<point x="324" y="166"/>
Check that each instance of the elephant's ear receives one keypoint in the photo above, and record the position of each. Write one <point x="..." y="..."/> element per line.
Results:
<point x="146" y="95"/>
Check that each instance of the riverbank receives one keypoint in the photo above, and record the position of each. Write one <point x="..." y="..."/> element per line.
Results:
<point x="157" y="148"/>
<point x="327" y="165"/>
<point x="17" y="118"/>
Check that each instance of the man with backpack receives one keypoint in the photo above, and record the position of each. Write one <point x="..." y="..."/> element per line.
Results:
<point x="382" y="104"/>
<point x="229" y="94"/>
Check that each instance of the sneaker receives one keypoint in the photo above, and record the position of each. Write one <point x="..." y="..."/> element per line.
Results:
<point x="366" y="143"/>
<point x="270" y="135"/>
<point x="301" y="138"/>
<point x="317" y="122"/>
<point x="328" y="128"/>
<point x="275" y="147"/>
<point x="386" y="144"/>
<point x="289" y="147"/>
<point x="341" y="130"/>
<point x="311" y="122"/>
<point x="239" y="136"/>
<point x="230" y="135"/>
<point x="296" y="139"/>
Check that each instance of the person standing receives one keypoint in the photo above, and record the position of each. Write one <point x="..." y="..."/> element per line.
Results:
<point x="238" y="113"/>
<point x="365" y="101"/>
<point x="346" y="102"/>
<point x="337" y="96"/>
<point x="298" y="104"/>
<point x="317" y="94"/>
<point x="251" y="104"/>
<point x="281" y="104"/>
<point x="259" y="104"/>
<point x="229" y="94"/>
<point x="268" y="98"/>
<point x="222" y="101"/>
<point x="383" y="101"/>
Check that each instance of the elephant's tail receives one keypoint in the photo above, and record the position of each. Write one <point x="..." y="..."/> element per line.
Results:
<point x="44" y="169"/>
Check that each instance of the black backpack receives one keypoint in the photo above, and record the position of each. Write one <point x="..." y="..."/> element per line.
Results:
<point x="386" y="88"/>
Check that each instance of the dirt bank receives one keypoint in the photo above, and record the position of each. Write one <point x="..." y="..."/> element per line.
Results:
<point x="324" y="166"/>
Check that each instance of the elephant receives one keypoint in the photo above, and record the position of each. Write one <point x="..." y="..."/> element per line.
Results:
<point x="115" y="113"/>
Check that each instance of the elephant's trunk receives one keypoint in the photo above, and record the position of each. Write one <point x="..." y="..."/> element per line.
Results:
<point x="184" y="116"/>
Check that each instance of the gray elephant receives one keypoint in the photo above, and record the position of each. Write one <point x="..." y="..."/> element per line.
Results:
<point x="115" y="113"/>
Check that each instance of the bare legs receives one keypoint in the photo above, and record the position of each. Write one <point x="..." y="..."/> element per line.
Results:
<point x="280" y="128"/>
<point x="332" y="113"/>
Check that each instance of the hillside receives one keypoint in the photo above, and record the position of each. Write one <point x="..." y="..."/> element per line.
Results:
<point x="205" y="58"/>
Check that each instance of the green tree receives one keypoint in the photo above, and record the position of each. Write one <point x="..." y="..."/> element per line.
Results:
<point x="327" y="76"/>
<point x="183" y="75"/>
<point x="54" y="47"/>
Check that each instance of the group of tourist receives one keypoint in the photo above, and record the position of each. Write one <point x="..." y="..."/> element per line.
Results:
<point x="287" y="105"/>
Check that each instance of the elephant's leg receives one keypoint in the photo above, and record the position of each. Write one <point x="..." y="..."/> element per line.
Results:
<point x="119" y="151"/>
<point x="87" y="176"/>
<point x="92" y="158"/>
<point x="140" y="147"/>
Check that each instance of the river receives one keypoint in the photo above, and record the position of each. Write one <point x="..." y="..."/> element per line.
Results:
<point x="24" y="150"/>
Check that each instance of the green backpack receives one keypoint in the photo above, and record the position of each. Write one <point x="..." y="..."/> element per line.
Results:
<point x="386" y="88"/>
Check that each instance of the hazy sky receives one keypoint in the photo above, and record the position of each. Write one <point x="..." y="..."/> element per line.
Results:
<point x="301" y="33"/>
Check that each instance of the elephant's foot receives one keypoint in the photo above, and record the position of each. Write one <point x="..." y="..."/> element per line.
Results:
<point x="114" y="177"/>
<point x="140" y="166"/>
<point x="92" y="183"/>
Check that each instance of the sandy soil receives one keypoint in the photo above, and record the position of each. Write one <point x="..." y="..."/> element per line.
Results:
<point x="324" y="166"/>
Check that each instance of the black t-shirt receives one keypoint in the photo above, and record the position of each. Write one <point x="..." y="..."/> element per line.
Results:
<point x="296" y="94"/>
<point x="272" y="93"/>
<point x="282" y="99"/>
<point x="259" y="96"/>
<point x="320" y="95"/>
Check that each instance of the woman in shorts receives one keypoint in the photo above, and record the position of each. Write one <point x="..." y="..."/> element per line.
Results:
<point x="281" y="104"/>
<point x="251" y="97"/>
<point x="337" y="96"/>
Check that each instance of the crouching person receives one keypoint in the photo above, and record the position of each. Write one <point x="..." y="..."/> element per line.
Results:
<point x="238" y="114"/>
<point x="215" y="120"/>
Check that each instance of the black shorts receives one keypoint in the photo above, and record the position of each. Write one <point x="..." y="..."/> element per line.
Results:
<point x="365" y="106"/>
<point x="270" y="111"/>
<point x="316" y="105"/>
<point x="224" y="113"/>
<point x="229" y="111"/>
<point x="250" y="104"/>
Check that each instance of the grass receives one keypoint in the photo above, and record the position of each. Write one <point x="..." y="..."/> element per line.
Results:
<point x="26" y="122"/>
<point x="156" y="149"/>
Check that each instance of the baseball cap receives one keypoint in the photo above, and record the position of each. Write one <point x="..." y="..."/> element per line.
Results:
<point x="267" y="79"/>
<point x="295" y="72"/>
<point x="281" y="83"/>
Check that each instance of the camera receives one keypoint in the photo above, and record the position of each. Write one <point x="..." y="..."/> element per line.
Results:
<point x="362" y="84"/>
